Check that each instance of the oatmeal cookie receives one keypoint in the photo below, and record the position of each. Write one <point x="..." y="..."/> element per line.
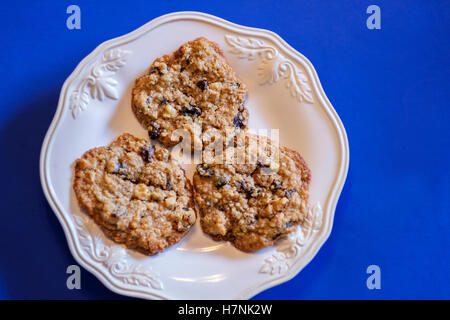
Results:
<point x="193" y="85"/>
<point x="135" y="193"/>
<point x="259" y="197"/>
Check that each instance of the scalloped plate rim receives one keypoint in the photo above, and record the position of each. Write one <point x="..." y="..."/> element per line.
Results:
<point x="328" y="207"/>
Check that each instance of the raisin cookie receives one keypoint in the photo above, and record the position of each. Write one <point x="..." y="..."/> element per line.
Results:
<point x="135" y="193"/>
<point x="254" y="197"/>
<point x="192" y="89"/>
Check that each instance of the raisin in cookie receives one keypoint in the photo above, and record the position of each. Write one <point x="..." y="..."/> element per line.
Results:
<point x="135" y="193"/>
<point x="193" y="85"/>
<point x="258" y="195"/>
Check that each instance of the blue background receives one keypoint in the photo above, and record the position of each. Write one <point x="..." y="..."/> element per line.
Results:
<point x="389" y="86"/>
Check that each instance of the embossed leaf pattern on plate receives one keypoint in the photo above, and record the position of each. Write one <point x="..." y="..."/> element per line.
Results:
<point x="115" y="259"/>
<point x="291" y="248"/>
<point x="273" y="67"/>
<point x="99" y="84"/>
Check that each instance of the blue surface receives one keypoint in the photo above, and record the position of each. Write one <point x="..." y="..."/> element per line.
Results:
<point x="390" y="87"/>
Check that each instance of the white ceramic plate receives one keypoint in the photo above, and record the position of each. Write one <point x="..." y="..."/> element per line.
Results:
<point x="284" y="93"/>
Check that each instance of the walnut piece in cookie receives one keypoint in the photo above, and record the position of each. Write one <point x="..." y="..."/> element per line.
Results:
<point x="251" y="201"/>
<point x="135" y="193"/>
<point x="194" y="89"/>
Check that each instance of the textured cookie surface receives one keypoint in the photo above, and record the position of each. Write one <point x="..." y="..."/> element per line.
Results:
<point x="135" y="193"/>
<point x="255" y="200"/>
<point x="193" y="85"/>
